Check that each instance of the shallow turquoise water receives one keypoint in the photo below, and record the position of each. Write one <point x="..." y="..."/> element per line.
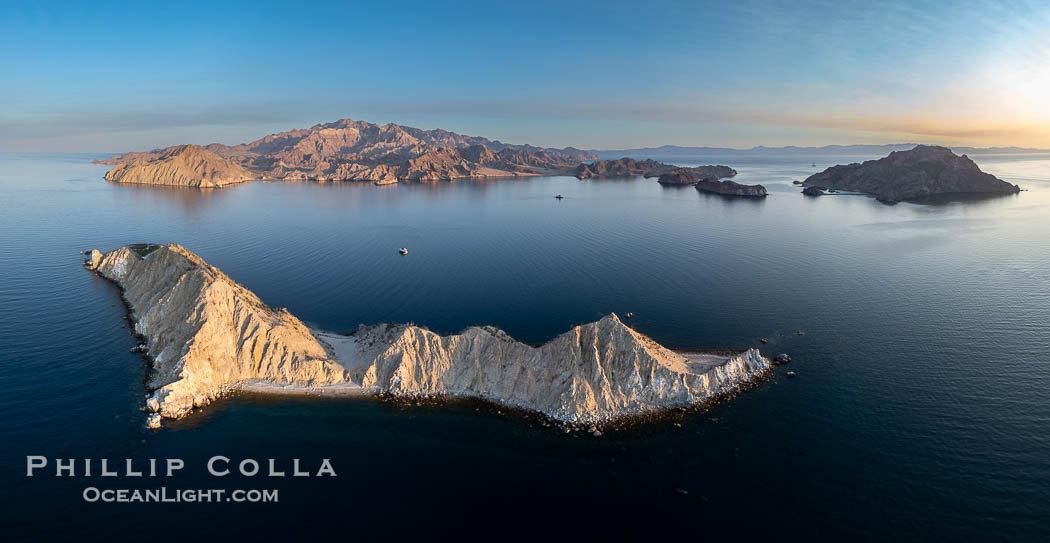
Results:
<point x="921" y="406"/>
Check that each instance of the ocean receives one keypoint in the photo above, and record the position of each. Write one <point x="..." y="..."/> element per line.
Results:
<point x="920" y="410"/>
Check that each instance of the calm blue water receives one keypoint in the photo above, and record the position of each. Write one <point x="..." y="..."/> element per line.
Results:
<point x="921" y="409"/>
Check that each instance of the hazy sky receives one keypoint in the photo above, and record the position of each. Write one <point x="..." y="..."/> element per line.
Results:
<point x="96" y="76"/>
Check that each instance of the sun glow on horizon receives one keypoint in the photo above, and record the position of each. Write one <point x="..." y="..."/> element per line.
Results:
<point x="760" y="73"/>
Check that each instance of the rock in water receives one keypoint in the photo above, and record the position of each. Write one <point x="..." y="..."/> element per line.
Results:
<point x="93" y="259"/>
<point x="813" y="191"/>
<point x="907" y="175"/>
<point x="184" y="166"/>
<point x="207" y="335"/>
<point x="730" y="188"/>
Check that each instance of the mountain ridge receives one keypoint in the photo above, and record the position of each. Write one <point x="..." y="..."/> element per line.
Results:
<point x="205" y="335"/>
<point x="350" y="150"/>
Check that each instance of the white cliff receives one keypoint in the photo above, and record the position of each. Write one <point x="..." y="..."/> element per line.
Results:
<point x="207" y="335"/>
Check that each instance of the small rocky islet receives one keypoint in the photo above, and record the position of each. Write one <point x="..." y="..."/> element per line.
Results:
<point x="712" y="184"/>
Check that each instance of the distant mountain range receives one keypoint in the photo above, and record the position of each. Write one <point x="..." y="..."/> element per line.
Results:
<point x="349" y="150"/>
<point x="672" y="151"/>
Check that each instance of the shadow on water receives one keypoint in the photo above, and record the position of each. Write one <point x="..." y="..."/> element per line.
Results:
<point x="613" y="180"/>
<point x="963" y="198"/>
<point x="187" y="198"/>
<point x="741" y="201"/>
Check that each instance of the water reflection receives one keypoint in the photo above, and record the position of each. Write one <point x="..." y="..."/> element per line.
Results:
<point x="963" y="198"/>
<point x="186" y="198"/>
<point x="613" y="180"/>
<point x="730" y="200"/>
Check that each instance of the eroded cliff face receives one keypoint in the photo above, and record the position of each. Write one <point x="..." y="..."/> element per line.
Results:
<point x="204" y="332"/>
<point x="207" y="335"/>
<point x="593" y="373"/>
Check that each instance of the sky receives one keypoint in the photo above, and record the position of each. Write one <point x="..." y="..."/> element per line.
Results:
<point x="113" y="77"/>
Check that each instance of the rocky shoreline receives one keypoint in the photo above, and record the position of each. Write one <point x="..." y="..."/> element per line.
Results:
<point x="205" y="336"/>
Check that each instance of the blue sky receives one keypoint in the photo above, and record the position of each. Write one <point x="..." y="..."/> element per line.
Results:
<point x="98" y="76"/>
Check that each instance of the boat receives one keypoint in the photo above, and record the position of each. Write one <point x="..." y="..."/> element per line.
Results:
<point x="559" y="197"/>
<point x="790" y="374"/>
<point x="403" y="250"/>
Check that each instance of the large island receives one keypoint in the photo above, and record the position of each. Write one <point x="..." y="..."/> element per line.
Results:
<point x="925" y="170"/>
<point x="206" y="336"/>
<point x="345" y="150"/>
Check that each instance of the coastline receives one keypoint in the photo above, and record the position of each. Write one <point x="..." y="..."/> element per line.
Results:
<point x="596" y="373"/>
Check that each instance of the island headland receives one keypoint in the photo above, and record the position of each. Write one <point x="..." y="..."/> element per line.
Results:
<point x="183" y="165"/>
<point x="205" y="335"/>
<point x="925" y="170"/>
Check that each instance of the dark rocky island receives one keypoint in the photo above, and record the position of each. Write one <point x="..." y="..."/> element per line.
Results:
<point x="731" y="188"/>
<point x="813" y="191"/>
<point x="629" y="167"/>
<point x="923" y="171"/>
<point x="677" y="179"/>
<point x="711" y="184"/>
